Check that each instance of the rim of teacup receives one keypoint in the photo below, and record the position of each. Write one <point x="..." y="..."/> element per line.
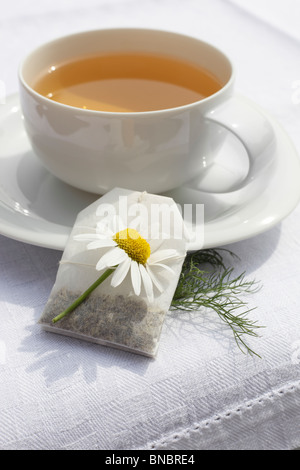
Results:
<point x="223" y="91"/>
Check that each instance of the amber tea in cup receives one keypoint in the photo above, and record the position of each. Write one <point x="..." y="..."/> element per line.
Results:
<point x="135" y="108"/>
<point x="126" y="82"/>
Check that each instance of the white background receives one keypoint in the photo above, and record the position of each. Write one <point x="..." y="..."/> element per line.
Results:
<point x="200" y="392"/>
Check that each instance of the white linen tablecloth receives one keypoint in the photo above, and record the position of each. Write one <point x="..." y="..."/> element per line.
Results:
<point x="200" y="392"/>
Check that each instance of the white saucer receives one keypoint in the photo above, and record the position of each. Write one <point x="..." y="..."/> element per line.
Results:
<point x="37" y="208"/>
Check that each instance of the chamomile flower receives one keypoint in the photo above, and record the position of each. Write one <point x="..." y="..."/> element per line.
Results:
<point x="128" y="252"/>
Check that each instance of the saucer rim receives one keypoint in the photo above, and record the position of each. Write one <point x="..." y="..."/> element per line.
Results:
<point x="57" y="239"/>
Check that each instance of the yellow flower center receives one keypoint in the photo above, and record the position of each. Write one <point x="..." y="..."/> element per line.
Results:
<point x="133" y="244"/>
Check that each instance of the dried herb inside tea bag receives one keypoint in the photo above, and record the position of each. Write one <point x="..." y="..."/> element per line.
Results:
<point x="119" y="272"/>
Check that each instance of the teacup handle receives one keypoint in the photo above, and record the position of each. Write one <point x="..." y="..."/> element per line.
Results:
<point x="253" y="129"/>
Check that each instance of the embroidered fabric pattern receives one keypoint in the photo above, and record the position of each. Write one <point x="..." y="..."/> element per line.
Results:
<point x="197" y="431"/>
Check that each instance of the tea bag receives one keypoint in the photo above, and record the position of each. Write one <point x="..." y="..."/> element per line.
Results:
<point x="138" y="240"/>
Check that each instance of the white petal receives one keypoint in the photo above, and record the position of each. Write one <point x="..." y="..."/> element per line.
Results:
<point x="86" y="237"/>
<point x="101" y="244"/>
<point x="155" y="231"/>
<point x="117" y="224"/>
<point x="102" y="261"/>
<point x="155" y="244"/>
<point x="113" y="257"/>
<point x="154" y="279"/>
<point x="147" y="283"/>
<point x="164" y="266"/>
<point x="135" y="223"/>
<point x="120" y="273"/>
<point x="161" y="255"/>
<point x="103" y="231"/>
<point x="135" y="277"/>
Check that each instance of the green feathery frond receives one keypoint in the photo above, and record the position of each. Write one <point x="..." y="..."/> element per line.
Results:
<point x="205" y="281"/>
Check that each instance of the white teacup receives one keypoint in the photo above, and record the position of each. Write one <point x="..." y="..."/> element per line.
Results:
<point x="154" y="151"/>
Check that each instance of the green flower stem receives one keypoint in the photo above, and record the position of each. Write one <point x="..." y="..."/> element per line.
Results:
<point x="84" y="295"/>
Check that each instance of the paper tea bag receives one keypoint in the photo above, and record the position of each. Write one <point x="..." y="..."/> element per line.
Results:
<point x="137" y="242"/>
